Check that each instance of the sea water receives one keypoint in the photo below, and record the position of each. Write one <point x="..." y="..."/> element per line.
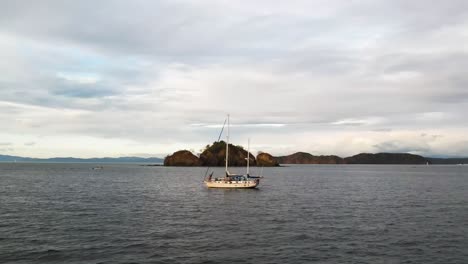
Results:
<point x="128" y="213"/>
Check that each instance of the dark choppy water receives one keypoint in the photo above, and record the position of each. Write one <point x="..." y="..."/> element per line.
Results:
<point x="68" y="213"/>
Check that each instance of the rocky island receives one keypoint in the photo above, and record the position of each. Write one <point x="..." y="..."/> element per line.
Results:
<point x="307" y="158"/>
<point x="362" y="158"/>
<point x="182" y="158"/>
<point x="386" y="158"/>
<point x="214" y="155"/>
<point x="267" y="160"/>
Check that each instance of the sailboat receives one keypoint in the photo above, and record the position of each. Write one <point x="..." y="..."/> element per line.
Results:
<point x="233" y="181"/>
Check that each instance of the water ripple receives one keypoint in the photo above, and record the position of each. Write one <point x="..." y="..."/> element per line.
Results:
<point x="67" y="213"/>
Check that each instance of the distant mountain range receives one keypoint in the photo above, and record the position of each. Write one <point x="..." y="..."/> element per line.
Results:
<point x="214" y="155"/>
<point x="367" y="158"/>
<point x="296" y="158"/>
<point x="7" y="158"/>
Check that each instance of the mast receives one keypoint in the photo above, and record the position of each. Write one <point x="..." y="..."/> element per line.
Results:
<point x="227" y="145"/>
<point x="248" y="155"/>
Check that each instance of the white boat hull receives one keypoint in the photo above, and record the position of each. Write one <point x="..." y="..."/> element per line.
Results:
<point x="233" y="184"/>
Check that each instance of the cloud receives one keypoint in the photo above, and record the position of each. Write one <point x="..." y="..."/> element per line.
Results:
<point x="401" y="147"/>
<point x="358" y="122"/>
<point x="320" y="76"/>
<point x="81" y="88"/>
<point x="7" y="149"/>
<point x="239" y="125"/>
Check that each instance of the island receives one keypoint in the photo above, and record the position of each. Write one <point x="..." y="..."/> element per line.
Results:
<point x="214" y="155"/>
<point x="307" y="158"/>
<point x="362" y="158"/>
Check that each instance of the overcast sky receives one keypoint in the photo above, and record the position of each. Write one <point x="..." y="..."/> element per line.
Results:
<point x="147" y="78"/>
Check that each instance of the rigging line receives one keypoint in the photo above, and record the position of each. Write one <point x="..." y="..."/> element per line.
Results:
<point x="219" y="137"/>
<point x="206" y="172"/>
<point x="222" y="129"/>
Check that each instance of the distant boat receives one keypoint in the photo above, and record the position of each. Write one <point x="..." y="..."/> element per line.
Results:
<point x="233" y="181"/>
<point x="98" y="168"/>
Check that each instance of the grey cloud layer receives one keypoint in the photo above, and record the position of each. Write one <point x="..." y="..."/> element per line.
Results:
<point x="148" y="70"/>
